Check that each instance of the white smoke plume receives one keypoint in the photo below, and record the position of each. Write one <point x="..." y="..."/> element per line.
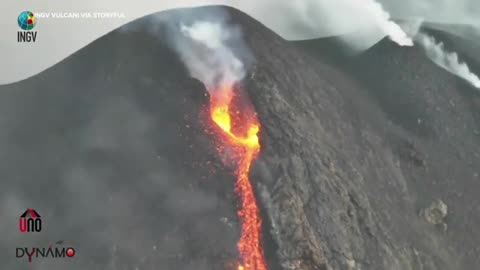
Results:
<point x="436" y="51"/>
<point x="208" y="57"/>
<point x="308" y="19"/>
<point x="213" y="51"/>
<point x="389" y="27"/>
<point x="357" y="21"/>
<point x="448" y="60"/>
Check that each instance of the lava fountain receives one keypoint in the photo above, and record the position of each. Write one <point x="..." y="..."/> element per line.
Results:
<point x="239" y="128"/>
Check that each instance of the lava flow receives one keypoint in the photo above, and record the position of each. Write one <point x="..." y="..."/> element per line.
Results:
<point x="245" y="149"/>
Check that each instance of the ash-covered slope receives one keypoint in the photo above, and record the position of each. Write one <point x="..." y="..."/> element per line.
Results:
<point x="432" y="129"/>
<point x="110" y="146"/>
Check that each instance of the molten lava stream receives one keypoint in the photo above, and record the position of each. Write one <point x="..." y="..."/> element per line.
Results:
<point x="246" y="148"/>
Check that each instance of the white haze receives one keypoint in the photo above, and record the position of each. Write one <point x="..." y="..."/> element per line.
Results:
<point x="291" y="19"/>
<point x="362" y="23"/>
<point x="440" y="11"/>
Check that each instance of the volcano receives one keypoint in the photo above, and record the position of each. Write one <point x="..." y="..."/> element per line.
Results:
<point x="356" y="161"/>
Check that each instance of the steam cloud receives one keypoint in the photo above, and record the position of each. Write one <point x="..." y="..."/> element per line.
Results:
<point x="362" y="23"/>
<point x="213" y="51"/>
<point x="437" y="52"/>
<point x="390" y="28"/>
<point x="360" y="20"/>
<point x="448" y="60"/>
<point x="209" y="59"/>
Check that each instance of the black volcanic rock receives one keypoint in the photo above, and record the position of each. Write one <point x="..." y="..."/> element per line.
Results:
<point x="111" y="147"/>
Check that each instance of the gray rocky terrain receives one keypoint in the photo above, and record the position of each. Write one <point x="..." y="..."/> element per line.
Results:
<point x="367" y="162"/>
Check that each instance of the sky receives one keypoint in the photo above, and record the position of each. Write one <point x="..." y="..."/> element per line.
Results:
<point x="57" y="38"/>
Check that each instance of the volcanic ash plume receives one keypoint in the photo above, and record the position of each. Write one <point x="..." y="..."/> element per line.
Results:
<point x="389" y="27"/>
<point x="448" y="60"/>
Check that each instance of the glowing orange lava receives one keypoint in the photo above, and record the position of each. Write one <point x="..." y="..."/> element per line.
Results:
<point x="246" y="147"/>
